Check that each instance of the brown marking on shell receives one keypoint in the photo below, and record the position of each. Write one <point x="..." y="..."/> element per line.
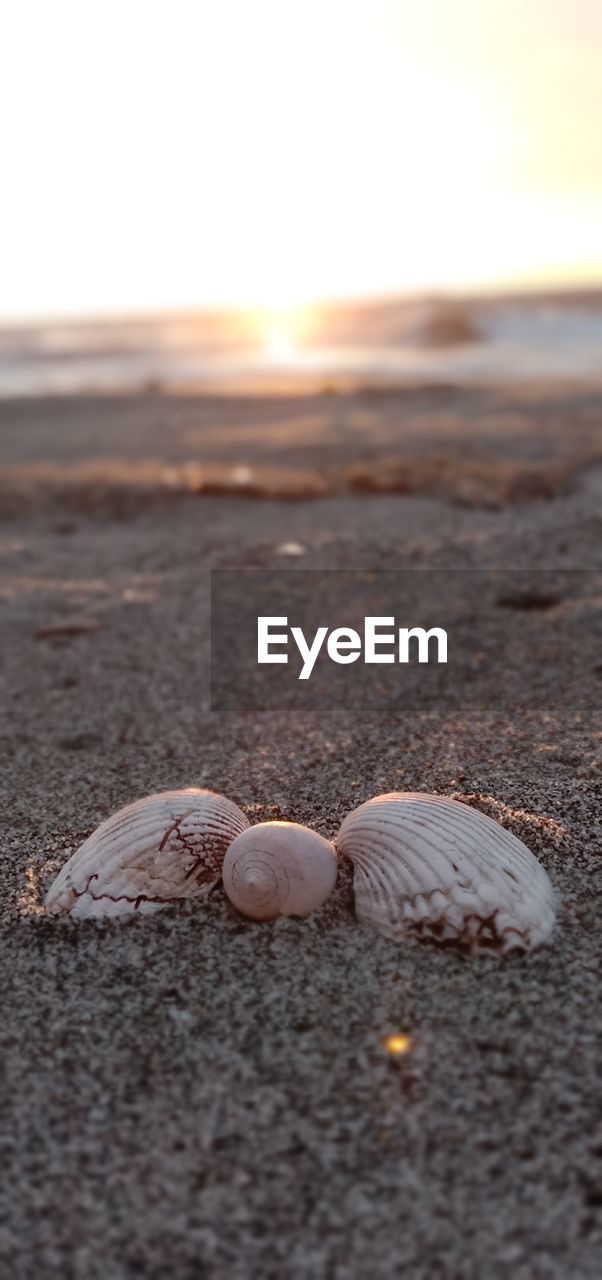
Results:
<point x="430" y="868"/>
<point x="160" y="850"/>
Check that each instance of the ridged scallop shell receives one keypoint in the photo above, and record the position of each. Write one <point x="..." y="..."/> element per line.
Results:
<point x="430" y="868"/>
<point x="279" y="869"/>
<point x="159" y="850"/>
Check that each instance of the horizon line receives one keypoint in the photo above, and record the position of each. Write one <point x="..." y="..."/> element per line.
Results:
<point x="474" y="294"/>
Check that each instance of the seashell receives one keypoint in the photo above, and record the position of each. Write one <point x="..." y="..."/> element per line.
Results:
<point x="430" y="868"/>
<point x="159" y="850"/>
<point x="279" y="869"/>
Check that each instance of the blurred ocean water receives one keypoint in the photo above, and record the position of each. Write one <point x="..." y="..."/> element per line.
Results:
<point x="492" y="340"/>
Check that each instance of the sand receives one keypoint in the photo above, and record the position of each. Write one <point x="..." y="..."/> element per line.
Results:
<point x="197" y="1095"/>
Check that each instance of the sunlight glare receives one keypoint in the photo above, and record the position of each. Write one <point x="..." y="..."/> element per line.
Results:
<point x="280" y="348"/>
<point x="295" y="153"/>
<point x="398" y="1045"/>
<point x="281" y="333"/>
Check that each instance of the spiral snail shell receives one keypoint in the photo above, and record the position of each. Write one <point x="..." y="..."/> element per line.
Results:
<point x="279" y="869"/>
<point x="430" y="868"/>
<point x="159" y="850"/>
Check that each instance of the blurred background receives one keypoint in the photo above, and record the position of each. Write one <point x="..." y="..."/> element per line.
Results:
<point x="258" y="197"/>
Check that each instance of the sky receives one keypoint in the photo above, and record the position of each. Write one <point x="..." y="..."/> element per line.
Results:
<point x="187" y="153"/>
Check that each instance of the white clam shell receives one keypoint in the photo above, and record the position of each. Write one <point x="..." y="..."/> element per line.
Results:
<point x="159" y="850"/>
<point x="430" y="868"/>
<point x="279" y="869"/>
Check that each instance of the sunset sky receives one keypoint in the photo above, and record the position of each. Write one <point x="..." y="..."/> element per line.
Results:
<point x="182" y="153"/>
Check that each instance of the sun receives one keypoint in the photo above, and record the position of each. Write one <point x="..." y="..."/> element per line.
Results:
<point x="280" y="346"/>
<point x="282" y="333"/>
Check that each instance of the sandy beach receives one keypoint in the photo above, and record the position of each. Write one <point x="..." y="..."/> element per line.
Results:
<point x="197" y="1095"/>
